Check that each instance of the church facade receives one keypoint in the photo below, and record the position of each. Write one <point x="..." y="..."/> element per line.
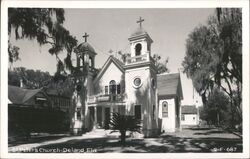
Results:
<point x="130" y="87"/>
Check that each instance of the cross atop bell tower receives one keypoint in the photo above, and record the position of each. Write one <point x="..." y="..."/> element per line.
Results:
<point x="140" y="21"/>
<point x="140" y="42"/>
<point x="85" y="36"/>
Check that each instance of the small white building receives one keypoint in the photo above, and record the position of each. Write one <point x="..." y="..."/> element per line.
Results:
<point x="169" y="97"/>
<point x="189" y="115"/>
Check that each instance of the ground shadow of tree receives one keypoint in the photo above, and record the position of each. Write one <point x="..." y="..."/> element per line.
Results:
<point x="34" y="139"/>
<point x="164" y="144"/>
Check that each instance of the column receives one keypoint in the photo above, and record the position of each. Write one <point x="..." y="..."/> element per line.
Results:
<point x="95" y="117"/>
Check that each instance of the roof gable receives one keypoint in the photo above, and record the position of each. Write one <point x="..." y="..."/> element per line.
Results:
<point x="169" y="85"/>
<point x="16" y="94"/>
<point x="19" y="95"/>
<point x="110" y="60"/>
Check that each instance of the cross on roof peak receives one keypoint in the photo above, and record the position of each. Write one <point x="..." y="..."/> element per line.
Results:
<point x="85" y="36"/>
<point x="140" y="21"/>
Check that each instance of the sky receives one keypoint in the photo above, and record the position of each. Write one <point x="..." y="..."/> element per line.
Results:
<point x="110" y="29"/>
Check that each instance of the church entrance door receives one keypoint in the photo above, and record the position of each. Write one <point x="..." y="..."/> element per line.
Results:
<point x="99" y="117"/>
<point x="91" y="117"/>
<point x="107" y="118"/>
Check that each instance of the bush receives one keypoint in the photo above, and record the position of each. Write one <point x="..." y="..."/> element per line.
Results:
<point x="124" y="123"/>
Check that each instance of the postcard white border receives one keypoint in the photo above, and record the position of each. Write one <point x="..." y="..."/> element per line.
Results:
<point x="125" y="4"/>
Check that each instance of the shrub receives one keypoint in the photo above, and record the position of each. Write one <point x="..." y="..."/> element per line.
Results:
<point x="124" y="123"/>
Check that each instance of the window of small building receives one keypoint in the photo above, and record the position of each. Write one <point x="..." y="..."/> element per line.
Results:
<point x="41" y="101"/>
<point x="138" y="48"/>
<point x="164" y="109"/>
<point x="138" y="111"/>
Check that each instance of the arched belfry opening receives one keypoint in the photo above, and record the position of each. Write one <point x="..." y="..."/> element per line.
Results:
<point x="91" y="62"/>
<point x="138" y="48"/>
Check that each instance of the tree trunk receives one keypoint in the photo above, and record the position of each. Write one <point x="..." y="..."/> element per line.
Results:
<point x="204" y="99"/>
<point x="232" y="112"/>
<point x="123" y="137"/>
<point x="218" y="118"/>
<point x="231" y="102"/>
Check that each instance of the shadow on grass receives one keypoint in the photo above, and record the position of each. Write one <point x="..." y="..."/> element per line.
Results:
<point x="197" y="128"/>
<point x="209" y="132"/>
<point x="35" y="139"/>
<point x="151" y="145"/>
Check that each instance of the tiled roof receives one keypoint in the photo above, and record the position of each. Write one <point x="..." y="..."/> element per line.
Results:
<point x="139" y="33"/>
<point x="188" y="109"/>
<point x="168" y="84"/>
<point x="85" y="46"/>
<point x="19" y="95"/>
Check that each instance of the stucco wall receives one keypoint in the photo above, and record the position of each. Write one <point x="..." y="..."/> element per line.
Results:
<point x="168" y="123"/>
<point x="190" y="119"/>
<point x="112" y="73"/>
<point x="144" y="96"/>
<point x="90" y="88"/>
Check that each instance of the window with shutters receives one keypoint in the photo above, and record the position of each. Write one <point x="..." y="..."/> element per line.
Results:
<point x="106" y="89"/>
<point x="118" y="89"/>
<point x="112" y="87"/>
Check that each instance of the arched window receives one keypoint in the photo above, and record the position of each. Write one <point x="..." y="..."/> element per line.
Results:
<point x="164" y="109"/>
<point x="138" y="48"/>
<point x="112" y="87"/>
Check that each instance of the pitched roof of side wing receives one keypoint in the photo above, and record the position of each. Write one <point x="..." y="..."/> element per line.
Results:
<point x="19" y="95"/>
<point x="169" y="84"/>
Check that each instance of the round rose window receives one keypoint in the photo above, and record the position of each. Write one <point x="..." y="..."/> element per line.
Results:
<point x="137" y="82"/>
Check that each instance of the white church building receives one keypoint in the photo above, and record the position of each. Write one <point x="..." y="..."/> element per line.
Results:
<point x="132" y="87"/>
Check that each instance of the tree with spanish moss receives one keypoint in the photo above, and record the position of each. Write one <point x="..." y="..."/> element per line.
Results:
<point x="45" y="25"/>
<point x="214" y="56"/>
<point x="161" y="65"/>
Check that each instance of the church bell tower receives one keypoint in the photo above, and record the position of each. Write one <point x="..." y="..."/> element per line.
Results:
<point x="83" y="77"/>
<point x="140" y="77"/>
